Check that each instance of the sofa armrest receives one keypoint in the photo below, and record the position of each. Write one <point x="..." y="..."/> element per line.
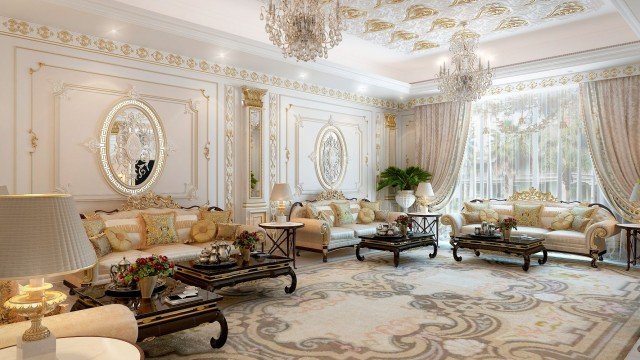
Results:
<point x="455" y="221"/>
<point x="115" y="321"/>
<point x="393" y="215"/>
<point x="598" y="232"/>
<point x="314" y="230"/>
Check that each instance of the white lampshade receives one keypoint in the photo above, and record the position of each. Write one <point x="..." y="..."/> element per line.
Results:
<point x="281" y="192"/>
<point x="425" y="190"/>
<point x="42" y="235"/>
<point x="635" y="194"/>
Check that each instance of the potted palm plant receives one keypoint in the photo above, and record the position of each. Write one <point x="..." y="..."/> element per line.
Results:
<point x="405" y="181"/>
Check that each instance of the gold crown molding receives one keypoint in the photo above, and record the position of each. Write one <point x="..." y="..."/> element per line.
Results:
<point x="420" y="12"/>
<point x="41" y="33"/>
<point x="532" y="194"/>
<point x="568" y="8"/>
<point x="390" y="121"/>
<point x="253" y="96"/>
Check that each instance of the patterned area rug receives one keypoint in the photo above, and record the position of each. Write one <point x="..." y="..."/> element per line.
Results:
<point x="480" y="308"/>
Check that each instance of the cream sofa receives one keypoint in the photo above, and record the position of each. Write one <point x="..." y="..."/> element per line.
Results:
<point x="322" y="236"/>
<point x="590" y="242"/>
<point x="127" y="215"/>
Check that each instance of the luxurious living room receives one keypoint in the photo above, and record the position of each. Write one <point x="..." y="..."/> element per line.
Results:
<point x="319" y="179"/>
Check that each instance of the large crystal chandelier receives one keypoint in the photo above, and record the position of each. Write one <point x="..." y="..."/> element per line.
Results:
<point x="302" y="28"/>
<point x="466" y="79"/>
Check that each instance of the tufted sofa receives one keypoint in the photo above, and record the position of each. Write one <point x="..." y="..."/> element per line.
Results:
<point x="127" y="217"/>
<point x="589" y="242"/>
<point x="322" y="235"/>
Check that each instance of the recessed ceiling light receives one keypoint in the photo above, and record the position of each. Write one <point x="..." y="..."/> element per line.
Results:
<point x="222" y="55"/>
<point x="303" y="75"/>
<point x="362" y="88"/>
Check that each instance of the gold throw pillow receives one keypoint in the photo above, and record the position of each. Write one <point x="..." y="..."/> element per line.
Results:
<point x="366" y="216"/>
<point x="471" y="212"/>
<point x="160" y="228"/>
<point x="527" y="215"/>
<point x="562" y="221"/>
<point x="227" y="232"/>
<point x="203" y="231"/>
<point x="118" y="239"/>
<point x="343" y="213"/>
<point x="327" y="216"/>
<point x="489" y="215"/>
<point x="582" y="217"/>
<point x="373" y="205"/>
<point x="216" y="216"/>
<point x="95" y="233"/>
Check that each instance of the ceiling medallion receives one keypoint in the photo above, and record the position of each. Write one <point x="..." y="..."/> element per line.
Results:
<point x="387" y="2"/>
<point x="462" y="2"/>
<point x="424" y="45"/>
<point x="375" y="25"/>
<point x="494" y="9"/>
<point x="511" y="23"/>
<point x="466" y="79"/>
<point x="402" y="35"/>
<point x="568" y="8"/>
<point x="303" y="29"/>
<point x="352" y="13"/>
<point x="442" y="23"/>
<point x="419" y="12"/>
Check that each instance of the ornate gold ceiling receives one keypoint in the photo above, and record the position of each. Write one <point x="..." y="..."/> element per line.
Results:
<point x="421" y="26"/>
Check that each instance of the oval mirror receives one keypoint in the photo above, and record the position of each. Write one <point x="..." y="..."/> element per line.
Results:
<point x="132" y="147"/>
<point x="331" y="157"/>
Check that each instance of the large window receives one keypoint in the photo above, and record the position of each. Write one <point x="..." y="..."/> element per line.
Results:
<point x="527" y="139"/>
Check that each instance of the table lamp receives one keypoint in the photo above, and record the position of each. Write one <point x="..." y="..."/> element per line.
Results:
<point x="425" y="194"/>
<point x="40" y="235"/>
<point x="280" y="194"/>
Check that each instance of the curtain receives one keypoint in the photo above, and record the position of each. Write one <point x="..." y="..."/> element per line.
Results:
<point x="441" y="137"/>
<point x="612" y="123"/>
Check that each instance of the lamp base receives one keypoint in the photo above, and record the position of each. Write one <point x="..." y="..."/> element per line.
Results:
<point x="44" y="349"/>
<point x="281" y="219"/>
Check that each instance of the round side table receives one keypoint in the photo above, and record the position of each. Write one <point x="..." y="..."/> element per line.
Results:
<point x="87" y="347"/>
<point x="286" y="238"/>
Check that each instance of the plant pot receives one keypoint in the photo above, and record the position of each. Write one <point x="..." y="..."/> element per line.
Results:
<point x="246" y="254"/>
<point x="506" y="234"/>
<point x="146" y="286"/>
<point x="405" y="198"/>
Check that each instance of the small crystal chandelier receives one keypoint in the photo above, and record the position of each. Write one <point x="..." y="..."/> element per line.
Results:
<point x="468" y="80"/>
<point x="302" y="28"/>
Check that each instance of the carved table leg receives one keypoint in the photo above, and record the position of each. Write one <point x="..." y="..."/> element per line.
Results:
<point x="294" y="282"/>
<point x="455" y="252"/>
<point x="527" y="261"/>
<point x="358" y="256"/>
<point x="224" y="331"/>
<point x="396" y="258"/>
<point x="435" y="251"/>
<point x="544" y="257"/>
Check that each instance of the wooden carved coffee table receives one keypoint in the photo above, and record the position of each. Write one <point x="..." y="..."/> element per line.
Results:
<point x="396" y="245"/>
<point x="157" y="318"/>
<point x="515" y="245"/>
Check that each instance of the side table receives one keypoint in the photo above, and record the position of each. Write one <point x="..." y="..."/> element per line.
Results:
<point x="632" y="242"/>
<point x="286" y="238"/>
<point x="87" y="347"/>
<point x="426" y="223"/>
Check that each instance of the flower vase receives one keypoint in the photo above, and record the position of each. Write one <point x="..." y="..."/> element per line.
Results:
<point x="146" y="286"/>
<point x="246" y="254"/>
<point x="506" y="234"/>
<point x="405" y="198"/>
<point x="404" y="230"/>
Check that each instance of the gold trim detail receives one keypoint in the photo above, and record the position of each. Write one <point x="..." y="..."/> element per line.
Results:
<point x="253" y="97"/>
<point x="352" y="13"/>
<point x="442" y="23"/>
<point x="424" y="45"/>
<point x="402" y="35"/>
<point x="380" y="3"/>
<point x="420" y="12"/>
<point x="462" y="2"/>
<point x="532" y="194"/>
<point x="511" y="23"/>
<point x="375" y="25"/>
<point x="206" y="150"/>
<point x="494" y="9"/>
<point x="34" y="140"/>
<point x="568" y="8"/>
<point x="147" y="201"/>
<point x="390" y="121"/>
<point x="331" y="194"/>
<point x="32" y="70"/>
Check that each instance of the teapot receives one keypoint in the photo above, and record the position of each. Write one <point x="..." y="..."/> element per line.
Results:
<point x="205" y="254"/>
<point x="120" y="268"/>
<point x="222" y="251"/>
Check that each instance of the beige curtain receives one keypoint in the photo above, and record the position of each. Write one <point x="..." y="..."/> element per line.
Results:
<point x="441" y="137"/>
<point x="612" y="124"/>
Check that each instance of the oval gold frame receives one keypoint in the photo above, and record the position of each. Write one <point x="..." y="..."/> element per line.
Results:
<point x="343" y="168"/>
<point x="113" y="181"/>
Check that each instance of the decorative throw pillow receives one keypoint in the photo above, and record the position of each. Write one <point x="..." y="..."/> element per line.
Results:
<point x="217" y="217"/>
<point x="160" y="228"/>
<point x="118" y="239"/>
<point x="203" y="231"/>
<point x="471" y="212"/>
<point x="373" y="205"/>
<point x="343" y="213"/>
<point x="327" y="215"/>
<point x="489" y="215"/>
<point x="582" y="217"/>
<point x="227" y="232"/>
<point x="527" y="215"/>
<point x="95" y="233"/>
<point x="366" y="216"/>
<point x="562" y="221"/>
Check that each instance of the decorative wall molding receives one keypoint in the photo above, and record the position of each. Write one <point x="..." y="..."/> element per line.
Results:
<point x="330" y="156"/>
<point x="42" y="33"/>
<point x="229" y="117"/>
<point x="273" y="139"/>
<point x="390" y="121"/>
<point x="253" y="96"/>
<point x="378" y="142"/>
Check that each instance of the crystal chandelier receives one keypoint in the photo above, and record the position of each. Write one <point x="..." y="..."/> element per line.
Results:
<point x="466" y="79"/>
<point x="302" y="28"/>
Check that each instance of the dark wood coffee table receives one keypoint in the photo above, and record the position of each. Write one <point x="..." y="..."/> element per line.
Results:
<point x="270" y="266"/>
<point x="157" y="318"/>
<point x="515" y="245"/>
<point x="396" y="245"/>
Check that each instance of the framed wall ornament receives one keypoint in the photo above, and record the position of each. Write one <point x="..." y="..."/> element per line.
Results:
<point x="331" y="157"/>
<point x="132" y="147"/>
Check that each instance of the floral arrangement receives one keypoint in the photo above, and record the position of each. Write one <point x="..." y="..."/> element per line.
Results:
<point x="246" y="240"/>
<point x="154" y="265"/>
<point x="507" y="224"/>
<point x="404" y="221"/>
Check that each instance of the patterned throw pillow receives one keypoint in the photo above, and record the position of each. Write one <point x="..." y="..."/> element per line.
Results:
<point x="203" y="231"/>
<point x="562" y="221"/>
<point x="489" y="215"/>
<point x="582" y="217"/>
<point x="217" y="217"/>
<point x="326" y="215"/>
<point x="118" y="239"/>
<point x="471" y="212"/>
<point x="227" y="232"/>
<point x="343" y="213"/>
<point x="527" y="215"/>
<point x="160" y="228"/>
<point x="366" y="216"/>
<point x="95" y="233"/>
<point x="373" y="205"/>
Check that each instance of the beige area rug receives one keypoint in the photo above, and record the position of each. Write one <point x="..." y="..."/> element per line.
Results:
<point x="480" y="308"/>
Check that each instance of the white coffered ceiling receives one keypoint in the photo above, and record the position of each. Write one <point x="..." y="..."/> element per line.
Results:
<point x="554" y="36"/>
